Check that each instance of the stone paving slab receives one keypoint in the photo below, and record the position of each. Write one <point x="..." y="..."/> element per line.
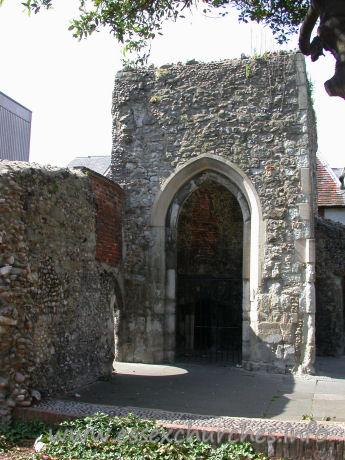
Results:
<point x="335" y="386"/>
<point x="294" y="410"/>
<point x="330" y="397"/>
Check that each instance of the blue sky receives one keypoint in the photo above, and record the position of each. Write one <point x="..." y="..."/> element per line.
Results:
<point x="68" y="84"/>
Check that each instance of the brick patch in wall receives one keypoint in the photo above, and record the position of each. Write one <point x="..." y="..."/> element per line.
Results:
<point x="108" y="197"/>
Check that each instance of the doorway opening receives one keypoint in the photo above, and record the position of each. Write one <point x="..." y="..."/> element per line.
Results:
<point x="209" y="275"/>
<point x="330" y="315"/>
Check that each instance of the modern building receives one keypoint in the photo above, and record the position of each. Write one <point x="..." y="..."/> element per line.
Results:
<point x="15" y="129"/>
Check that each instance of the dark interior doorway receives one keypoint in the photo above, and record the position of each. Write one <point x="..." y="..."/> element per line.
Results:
<point x="330" y="315"/>
<point x="209" y="280"/>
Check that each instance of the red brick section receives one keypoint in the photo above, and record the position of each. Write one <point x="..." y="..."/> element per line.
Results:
<point x="328" y="187"/>
<point x="108" y="197"/>
<point x="204" y="226"/>
<point x="210" y="232"/>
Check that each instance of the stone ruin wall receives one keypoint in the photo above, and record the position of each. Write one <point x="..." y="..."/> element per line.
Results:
<point x="59" y="280"/>
<point x="330" y="287"/>
<point x="256" y="115"/>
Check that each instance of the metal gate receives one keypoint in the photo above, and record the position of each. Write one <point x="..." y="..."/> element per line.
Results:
<point x="209" y="318"/>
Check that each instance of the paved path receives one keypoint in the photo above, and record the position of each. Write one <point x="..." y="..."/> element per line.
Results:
<point x="224" y="391"/>
<point x="218" y="400"/>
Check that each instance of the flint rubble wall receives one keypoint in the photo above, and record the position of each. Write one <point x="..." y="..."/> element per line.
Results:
<point x="57" y="286"/>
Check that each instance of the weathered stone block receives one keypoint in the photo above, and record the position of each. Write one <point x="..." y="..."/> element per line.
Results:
<point x="5" y="321"/>
<point x="269" y="332"/>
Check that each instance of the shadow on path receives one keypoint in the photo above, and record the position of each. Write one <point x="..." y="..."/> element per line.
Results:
<point x="213" y="389"/>
<point x="330" y="367"/>
<point x="194" y="388"/>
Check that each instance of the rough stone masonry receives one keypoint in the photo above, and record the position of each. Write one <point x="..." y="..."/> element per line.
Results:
<point x="245" y="128"/>
<point x="59" y="280"/>
<point x="216" y="252"/>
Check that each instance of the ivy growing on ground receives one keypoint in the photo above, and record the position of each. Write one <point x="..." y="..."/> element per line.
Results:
<point x="128" y="438"/>
<point x="105" y="437"/>
<point x="17" y="430"/>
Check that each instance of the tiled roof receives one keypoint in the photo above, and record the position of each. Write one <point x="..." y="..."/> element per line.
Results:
<point x="328" y="186"/>
<point x="100" y="164"/>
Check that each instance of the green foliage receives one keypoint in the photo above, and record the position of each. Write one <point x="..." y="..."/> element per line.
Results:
<point x="160" y="73"/>
<point x="57" y="186"/>
<point x="247" y="71"/>
<point x="155" y="99"/>
<point x="120" y="442"/>
<point x="310" y="91"/>
<point x="35" y="5"/>
<point x="11" y="433"/>
<point x="307" y="418"/>
<point x="310" y="87"/>
<point x="283" y="17"/>
<point x="136" y="23"/>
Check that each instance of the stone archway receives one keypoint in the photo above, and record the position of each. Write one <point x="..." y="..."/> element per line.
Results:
<point x="209" y="273"/>
<point x="164" y="250"/>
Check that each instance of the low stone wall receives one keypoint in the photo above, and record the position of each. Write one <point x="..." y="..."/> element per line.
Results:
<point x="57" y="287"/>
<point x="330" y="277"/>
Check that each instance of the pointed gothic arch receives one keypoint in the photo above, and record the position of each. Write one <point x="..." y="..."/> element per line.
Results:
<point x="164" y="222"/>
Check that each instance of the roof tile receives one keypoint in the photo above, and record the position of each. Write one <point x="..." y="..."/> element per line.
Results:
<point x="328" y="186"/>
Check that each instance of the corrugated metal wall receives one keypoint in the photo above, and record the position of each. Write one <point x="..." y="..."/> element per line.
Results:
<point x="15" y="128"/>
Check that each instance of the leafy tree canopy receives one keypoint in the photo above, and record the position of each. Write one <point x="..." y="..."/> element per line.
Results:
<point x="135" y="22"/>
